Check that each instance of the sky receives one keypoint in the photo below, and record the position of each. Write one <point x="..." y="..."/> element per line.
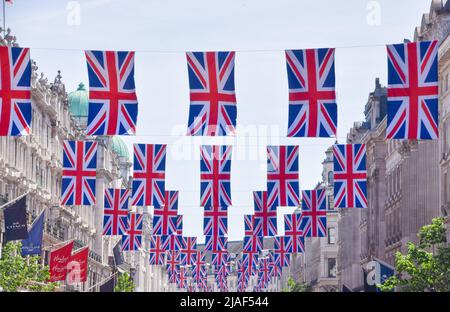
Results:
<point x="160" y="31"/>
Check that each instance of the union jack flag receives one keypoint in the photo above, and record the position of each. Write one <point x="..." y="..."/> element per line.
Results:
<point x="350" y="176"/>
<point x="264" y="272"/>
<point x="199" y="267"/>
<point x="282" y="176"/>
<point x="180" y="225"/>
<point x="79" y="172"/>
<point x="215" y="221"/>
<point x="312" y="97"/>
<point x="133" y="239"/>
<point x="251" y="261"/>
<point x="242" y="275"/>
<point x="213" y="100"/>
<point x="115" y="213"/>
<point x="189" y="251"/>
<point x="157" y="251"/>
<point x="314" y="213"/>
<point x="249" y="221"/>
<point x="280" y="251"/>
<point x="165" y="218"/>
<point x="294" y="239"/>
<point x="218" y="245"/>
<point x="15" y="94"/>
<point x="173" y="242"/>
<point x="265" y="217"/>
<point x="182" y="277"/>
<point x="252" y="244"/>
<point x="149" y="175"/>
<point x="173" y="265"/>
<point x="275" y="268"/>
<point x="215" y="166"/>
<point x="413" y="91"/>
<point x="113" y="103"/>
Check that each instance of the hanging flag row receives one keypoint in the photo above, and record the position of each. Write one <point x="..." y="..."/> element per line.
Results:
<point x="113" y="102"/>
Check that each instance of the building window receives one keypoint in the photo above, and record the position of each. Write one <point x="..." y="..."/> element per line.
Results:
<point x="331" y="236"/>
<point x="330" y="202"/>
<point x="330" y="177"/>
<point x="331" y="270"/>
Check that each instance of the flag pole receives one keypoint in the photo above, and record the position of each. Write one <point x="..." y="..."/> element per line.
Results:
<point x="15" y="199"/>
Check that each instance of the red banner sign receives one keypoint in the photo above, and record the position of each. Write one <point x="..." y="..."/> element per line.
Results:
<point x="59" y="259"/>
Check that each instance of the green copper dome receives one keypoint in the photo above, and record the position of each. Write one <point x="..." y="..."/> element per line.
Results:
<point x="78" y="102"/>
<point x="119" y="147"/>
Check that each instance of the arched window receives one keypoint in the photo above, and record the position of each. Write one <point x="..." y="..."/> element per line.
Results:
<point x="330" y="177"/>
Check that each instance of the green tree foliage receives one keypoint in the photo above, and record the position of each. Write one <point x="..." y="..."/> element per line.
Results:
<point x="426" y="266"/>
<point x="293" y="286"/>
<point x="124" y="283"/>
<point x="18" y="273"/>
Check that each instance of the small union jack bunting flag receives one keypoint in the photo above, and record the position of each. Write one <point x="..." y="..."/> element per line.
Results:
<point x="218" y="245"/>
<point x="173" y="242"/>
<point x="264" y="272"/>
<point x="213" y="101"/>
<point x="199" y="267"/>
<point x="280" y="251"/>
<point x="182" y="278"/>
<point x="133" y="239"/>
<point x="215" y="167"/>
<point x="249" y="221"/>
<point x="157" y="252"/>
<point x="15" y="94"/>
<point x="265" y="217"/>
<point x="79" y="172"/>
<point x="275" y="268"/>
<point x="189" y="251"/>
<point x="149" y="171"/>
<point x="314" y="213"/>
<point x="312" y="98"/>
<point x="215" y="221"/>
<point x="115" y="213"/>
<point x="165" y="218"/>
<point x="173" y="265"/>
<point x="113" y="103"/>
<point x="294" y="238"/>
<point x="283" y="187"/>
<point x="350" y="176"/>
<point x="413" y="91"/>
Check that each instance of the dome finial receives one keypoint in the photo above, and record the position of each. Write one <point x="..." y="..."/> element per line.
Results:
<point x="81" y="87"/>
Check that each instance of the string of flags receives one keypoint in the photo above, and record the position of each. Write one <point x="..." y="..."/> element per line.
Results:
<point x="113" y="110"/>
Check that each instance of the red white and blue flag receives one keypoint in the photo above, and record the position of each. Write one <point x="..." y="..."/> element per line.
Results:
<point x="294" y="238"/>
<point x="215" y="167"/>
<point x="265" y="217"/>
<point x="312" y="97"/>
<point x="173" y="265"/>
<point x="350" y="176"/>
<point x="243" y="275"/>
<point x="149" y="170"/>
<point x="249" y="221"/>
<point x="213" y="101"/>
<point x="133" y="239"/>
<point x="157" y="251"/>
<point x="215" y="221"/>
<point x="264" y="272"/>
<point x="15" y="91"/>
<point x="314" y="213"/>
<point x="115" y="212"/>
<point x="113" y="105"/>
<point x="281" y="254"/>
<point x="218" y="245"/>
<point x="251" y="262"/>
<point x="413" y="91"/>
<point x="199" y="267"/>
<point x="275" y="268"/>
<point x="189" y="251"/>
<point x="79" y="173"/>
<point x="182" y="277"/>
<point x="165" y="218"/>
<point x="282" y="176"/>
<point x="173" y="242"/>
